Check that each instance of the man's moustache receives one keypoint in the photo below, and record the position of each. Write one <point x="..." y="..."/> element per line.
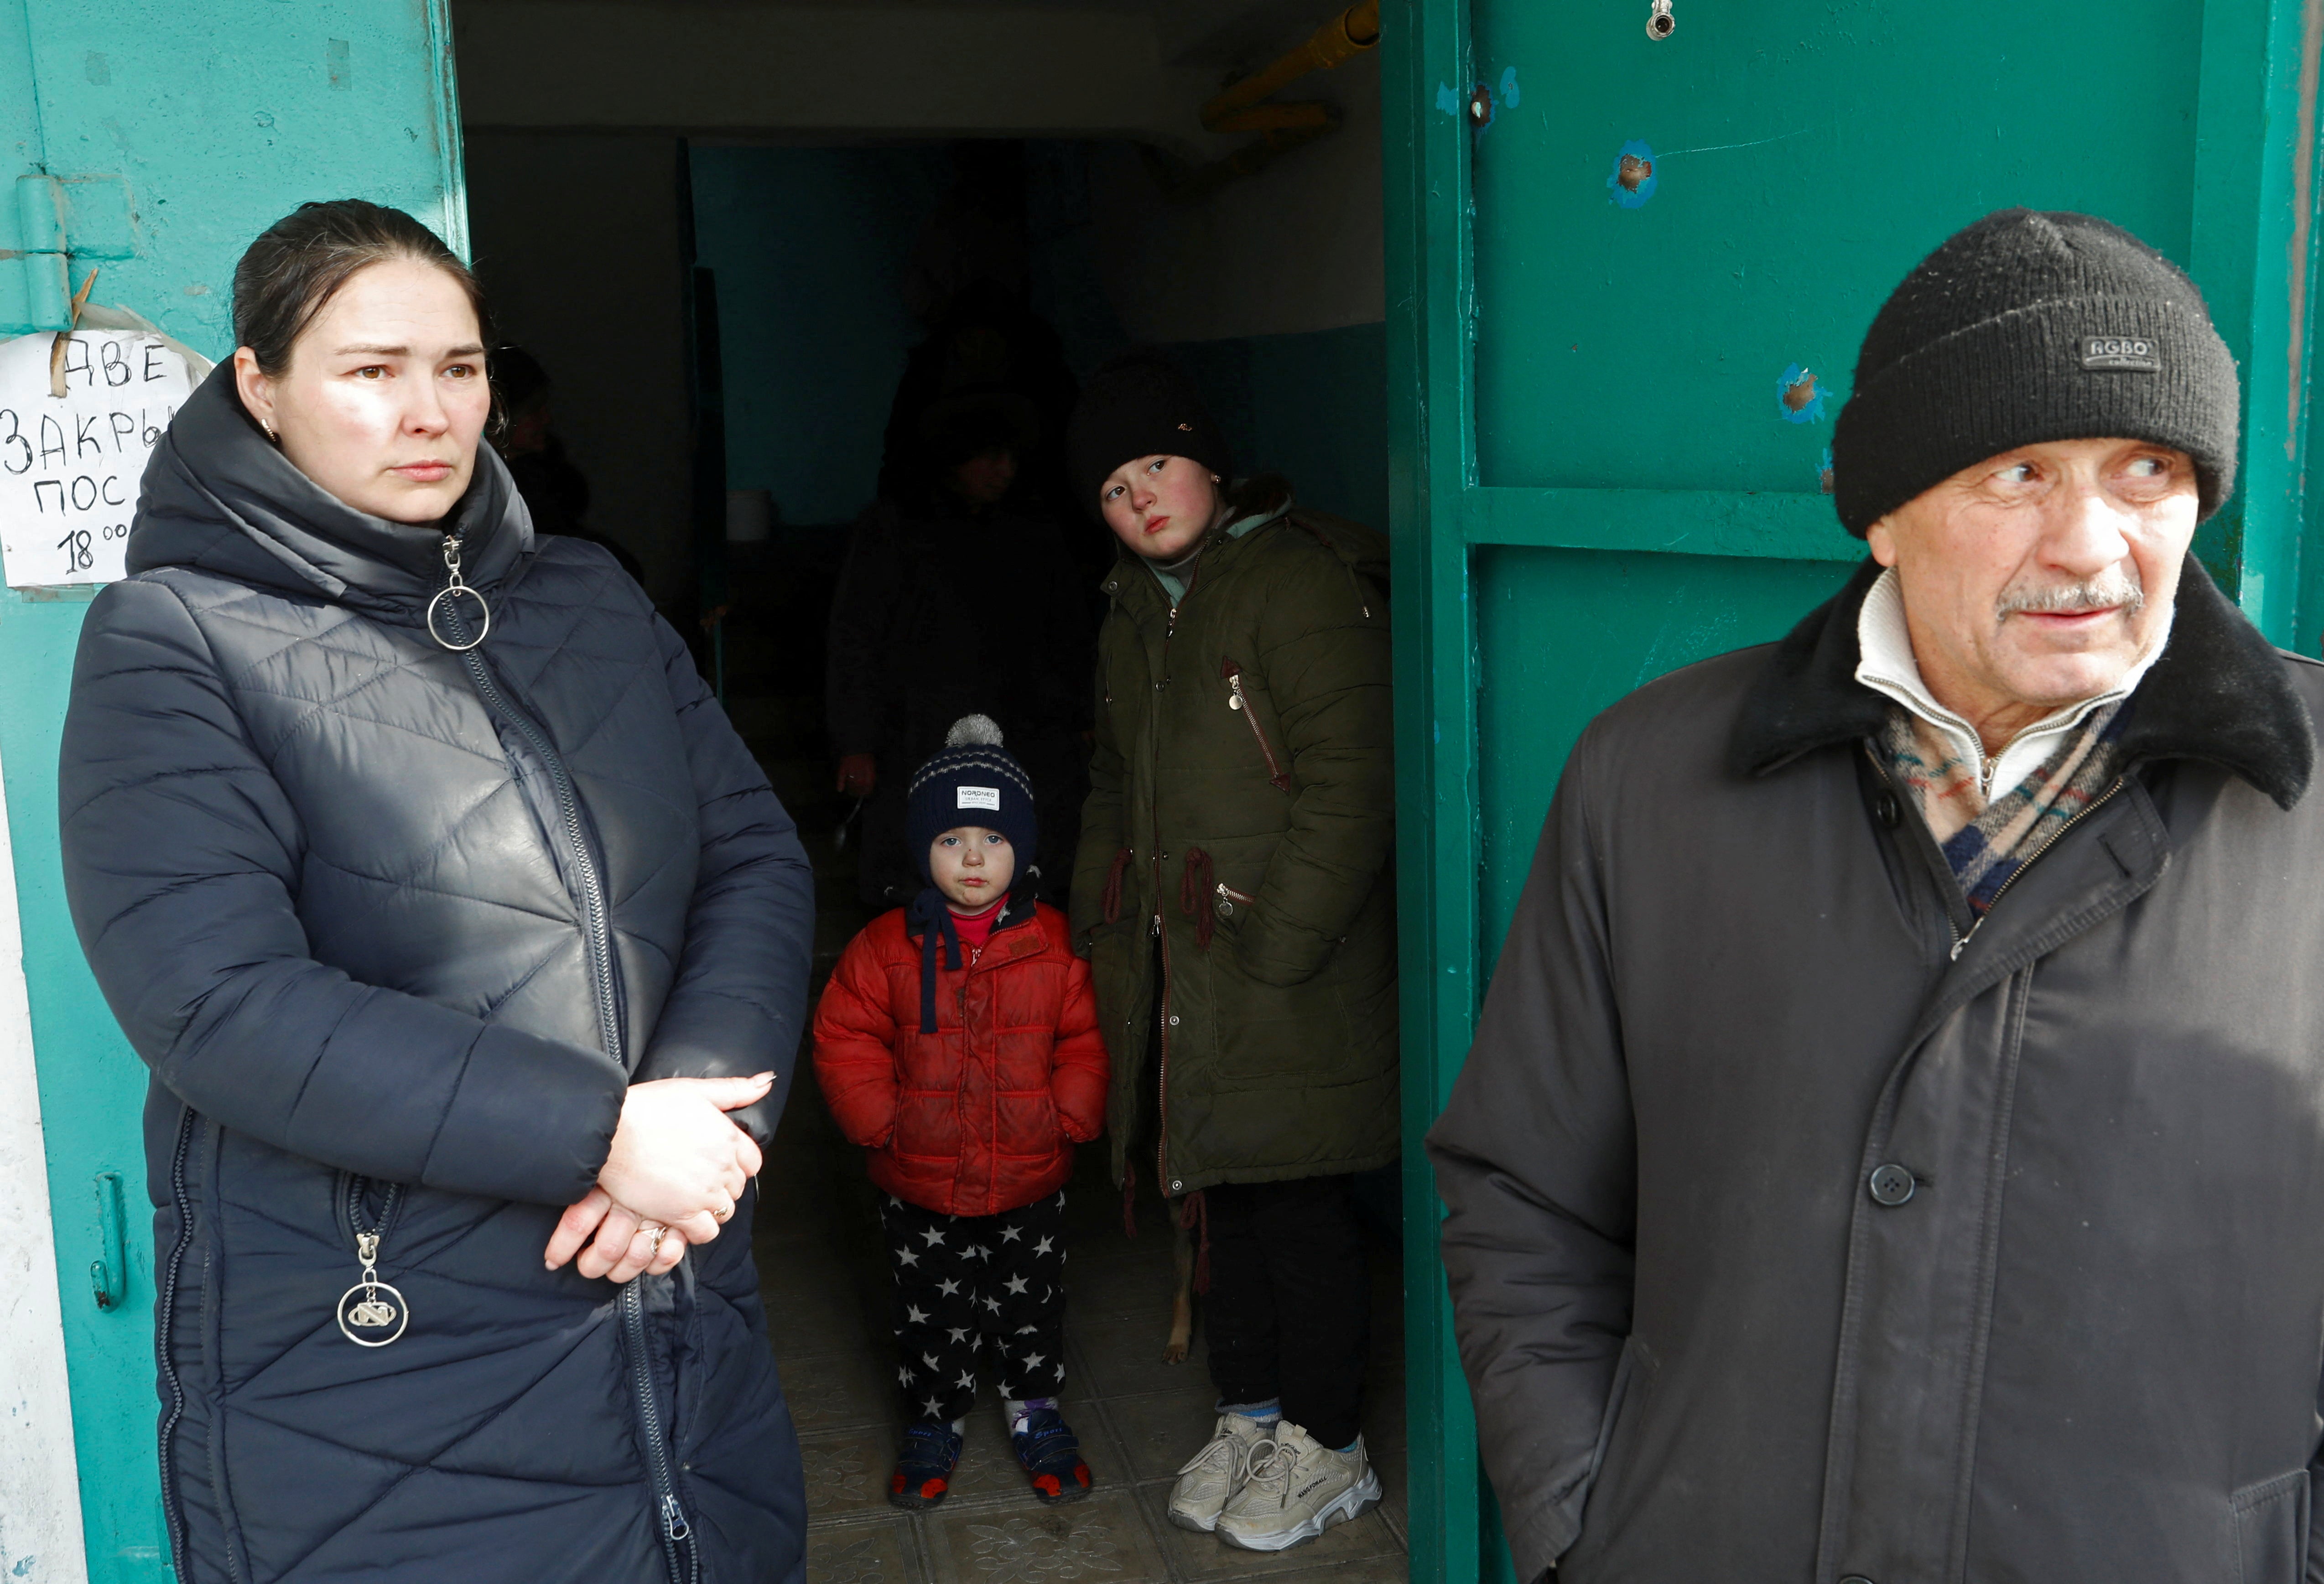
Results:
<point x="2067" y="598"/>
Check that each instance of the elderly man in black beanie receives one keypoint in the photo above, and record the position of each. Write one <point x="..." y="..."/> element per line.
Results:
<point x="1893" y="1145"/>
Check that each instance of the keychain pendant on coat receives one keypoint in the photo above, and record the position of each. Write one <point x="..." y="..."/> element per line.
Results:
<point x="371" y="1304"/>
<point x="448" y="598"/>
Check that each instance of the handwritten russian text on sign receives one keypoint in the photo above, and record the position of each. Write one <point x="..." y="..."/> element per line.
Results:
<point x="70" y="465"/>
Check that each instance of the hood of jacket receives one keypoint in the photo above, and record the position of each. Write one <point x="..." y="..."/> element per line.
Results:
<point x="218" y="496"/>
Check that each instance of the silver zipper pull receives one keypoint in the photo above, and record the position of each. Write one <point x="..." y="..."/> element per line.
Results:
<point x="454" y="585"/>
<point x="673" y="1519"/>
<point x="1959" y="943"/>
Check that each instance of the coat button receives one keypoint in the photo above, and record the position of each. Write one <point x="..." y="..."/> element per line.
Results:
<point x="1174" y="1023"/>
<point x="1891" y="1184"/>
<point x="1885" y="808"/>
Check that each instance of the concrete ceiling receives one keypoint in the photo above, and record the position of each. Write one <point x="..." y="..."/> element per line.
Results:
<point x="1224" y="34"/>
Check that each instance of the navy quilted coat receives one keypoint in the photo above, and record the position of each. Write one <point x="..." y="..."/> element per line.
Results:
<point x="393" y="928"/>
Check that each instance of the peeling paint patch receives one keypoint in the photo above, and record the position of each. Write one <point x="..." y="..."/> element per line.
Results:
<point x="1510" y="95"/>
<point x="1797" y="399"/>
<point x="334" y="51"/>
<point x="1447" y="100"/>
<point x="1633" y="180"/>
<point x="1824" y="471"/>
<point x="1481" y="107"/>
<point x="96" y="68"/>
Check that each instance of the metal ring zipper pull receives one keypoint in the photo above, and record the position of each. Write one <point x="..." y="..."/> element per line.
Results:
<point x="370" y="1312"/>
<point x="454" y="585"/>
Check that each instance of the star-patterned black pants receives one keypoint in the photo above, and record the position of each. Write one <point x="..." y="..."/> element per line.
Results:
<point x="976" y="1296"/>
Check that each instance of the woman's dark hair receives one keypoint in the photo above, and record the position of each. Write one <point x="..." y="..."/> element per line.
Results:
<point x="299" y="263"/>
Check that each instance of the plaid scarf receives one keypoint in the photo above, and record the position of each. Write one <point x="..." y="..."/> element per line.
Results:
<point x="1987" y="843"/>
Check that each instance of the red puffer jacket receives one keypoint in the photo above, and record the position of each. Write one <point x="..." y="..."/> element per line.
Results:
<point x="982" y="1116"/>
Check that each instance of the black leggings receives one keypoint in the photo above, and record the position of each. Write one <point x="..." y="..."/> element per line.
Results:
<point x="1289" y="1312"/>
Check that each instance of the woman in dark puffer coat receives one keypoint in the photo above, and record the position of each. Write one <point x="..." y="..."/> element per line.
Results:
<point x="469" y="961"/>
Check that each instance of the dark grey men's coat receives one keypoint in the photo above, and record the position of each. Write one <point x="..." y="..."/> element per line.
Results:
<point x="1789" y="1245"/>
<point x="394" y="931"/>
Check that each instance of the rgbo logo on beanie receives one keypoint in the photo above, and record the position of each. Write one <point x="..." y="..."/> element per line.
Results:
<point x="2134" y="352"/>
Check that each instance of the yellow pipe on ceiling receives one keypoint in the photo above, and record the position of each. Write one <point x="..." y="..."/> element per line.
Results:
<point x="1335" y="43"/>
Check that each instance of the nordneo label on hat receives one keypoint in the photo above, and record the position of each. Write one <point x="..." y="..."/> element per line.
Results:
<point x="2134" y="352"/>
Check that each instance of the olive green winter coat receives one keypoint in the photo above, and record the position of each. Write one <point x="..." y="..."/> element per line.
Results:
<point x="1243" y="796"/>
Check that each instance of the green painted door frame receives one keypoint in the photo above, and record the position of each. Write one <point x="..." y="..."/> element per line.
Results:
<point x="1509" y="590"/>
<point x="162" y="137"/>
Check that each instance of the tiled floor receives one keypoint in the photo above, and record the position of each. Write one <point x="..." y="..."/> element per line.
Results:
<point x="826" y="1283"/>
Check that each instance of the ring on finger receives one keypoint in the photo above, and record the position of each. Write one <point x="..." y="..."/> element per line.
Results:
<point x="654" y="1235"/>
<point x="724" y="1216"/>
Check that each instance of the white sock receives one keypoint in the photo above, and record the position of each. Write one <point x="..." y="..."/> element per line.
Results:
<point x="1016" y="1410"/>
<point x="1267" y="1413"/>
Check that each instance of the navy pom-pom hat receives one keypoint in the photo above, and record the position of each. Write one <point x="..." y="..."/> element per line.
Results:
<point x="974" y="781"/>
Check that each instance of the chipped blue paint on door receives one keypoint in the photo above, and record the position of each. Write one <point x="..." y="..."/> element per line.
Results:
<point x="150" y="140"/>
<point x="1623" y="313"/>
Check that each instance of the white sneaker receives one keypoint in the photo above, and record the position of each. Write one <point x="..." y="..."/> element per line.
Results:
<point x="1293" y="1489"/>
<point x="1215" y="1473"/>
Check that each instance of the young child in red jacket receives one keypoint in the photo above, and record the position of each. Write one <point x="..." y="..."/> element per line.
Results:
<point x="958" y="1043"/>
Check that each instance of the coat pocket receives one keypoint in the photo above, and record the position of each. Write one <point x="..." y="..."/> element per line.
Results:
<point x="1239" y="700"/>
<point x="2267" y="1531"/>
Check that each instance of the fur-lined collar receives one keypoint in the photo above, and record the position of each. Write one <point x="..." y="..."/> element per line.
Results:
<point x="2219" y="693"/>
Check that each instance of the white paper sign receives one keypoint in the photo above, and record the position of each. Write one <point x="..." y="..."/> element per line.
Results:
<point x="69" y="468"/>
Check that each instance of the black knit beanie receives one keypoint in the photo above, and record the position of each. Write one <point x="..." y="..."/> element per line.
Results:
<point x="1139" y="405"/>
<point x="2027" y="326"/>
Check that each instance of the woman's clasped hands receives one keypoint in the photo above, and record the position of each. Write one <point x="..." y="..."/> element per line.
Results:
<point x="677" y="1168"/>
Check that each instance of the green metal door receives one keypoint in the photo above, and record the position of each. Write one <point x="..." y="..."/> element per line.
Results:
<point x="151" y="140"/>
<point x="1627" y="278"/>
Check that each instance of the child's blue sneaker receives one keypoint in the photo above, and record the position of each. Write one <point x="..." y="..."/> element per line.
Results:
<point x="924" y="1466"/>
<point x="1052" y="1455"/>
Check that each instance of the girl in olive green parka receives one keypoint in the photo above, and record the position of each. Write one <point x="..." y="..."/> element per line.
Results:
<point x="1232" y="892"/>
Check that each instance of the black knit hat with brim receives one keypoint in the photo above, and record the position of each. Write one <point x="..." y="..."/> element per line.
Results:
<point x="2024" y="327"/>
<point x="1139" y="405"/>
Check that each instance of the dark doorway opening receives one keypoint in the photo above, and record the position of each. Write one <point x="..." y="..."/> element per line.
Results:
<point x="725" y="336"/>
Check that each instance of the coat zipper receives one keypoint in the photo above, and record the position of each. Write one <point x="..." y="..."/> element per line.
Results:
<point x="1961" y="942"/>
<point x="670" y="1517"/>
<point x="595" y="931"/>
<point x="172" y="1519"/>
<point x="1237" y="701"/>
<point x="1161" y="931"/>
<point x="671" y="1521"/>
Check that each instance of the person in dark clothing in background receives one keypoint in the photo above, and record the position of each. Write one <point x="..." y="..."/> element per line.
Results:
<point x="555" y="492"/>
<point x="987" y="340"/>
<point x="957" y="597"/>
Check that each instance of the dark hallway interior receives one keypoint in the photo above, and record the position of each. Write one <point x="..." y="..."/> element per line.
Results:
<point x="828" y="256"/>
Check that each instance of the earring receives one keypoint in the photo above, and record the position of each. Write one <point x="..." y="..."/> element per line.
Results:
<point x="1215" y="479"/>
<point x="271" y="437"/>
